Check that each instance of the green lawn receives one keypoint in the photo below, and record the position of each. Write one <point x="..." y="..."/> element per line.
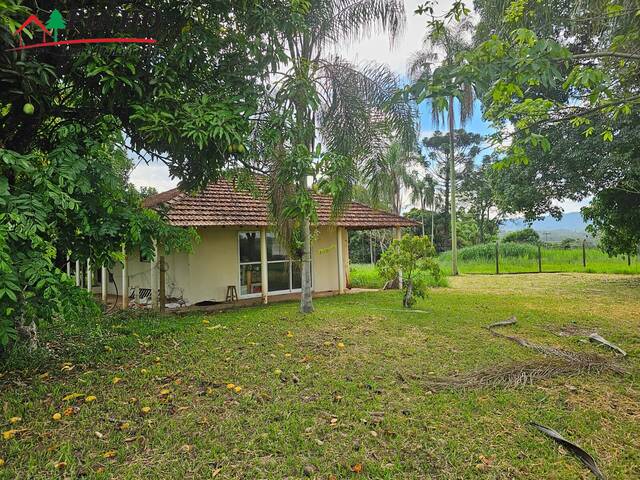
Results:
<point x="349" y="386"/>
<point x="553" y="260"/>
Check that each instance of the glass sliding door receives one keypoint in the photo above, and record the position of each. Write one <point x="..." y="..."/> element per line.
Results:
<point x="284" y="274"/>
<point x="250" y="269"/>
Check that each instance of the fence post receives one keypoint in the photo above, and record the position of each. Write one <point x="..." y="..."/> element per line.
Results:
<point x="584" y="254"/>
<point x="497" y="260"/>
<point x="539" y="259"/>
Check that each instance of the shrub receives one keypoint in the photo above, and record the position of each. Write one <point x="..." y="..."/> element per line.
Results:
<point x="412" y="258"/>
<point x="526" y="235"/>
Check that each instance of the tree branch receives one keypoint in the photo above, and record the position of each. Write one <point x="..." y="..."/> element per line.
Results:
<point x="629" y="56"/>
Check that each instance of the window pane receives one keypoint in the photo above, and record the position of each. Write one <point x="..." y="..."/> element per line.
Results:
<point x="278" y="276"/>
<point x="274" y="250"/>
<point x="250" y="279"/>
<point x="249" y="247"/>
<point x="296" y="275"/>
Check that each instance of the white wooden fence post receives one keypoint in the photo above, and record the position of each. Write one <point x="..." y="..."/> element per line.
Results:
<point x="103" y="284"/>
<point x="89" y="276"/>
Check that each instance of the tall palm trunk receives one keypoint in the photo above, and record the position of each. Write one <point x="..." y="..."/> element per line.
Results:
<point x="306" y="299"/>
<point x="452" y="175"/>
<point x="433" y="211"/>
<point x="422" y="207"/>
<point x="303" y="122"/>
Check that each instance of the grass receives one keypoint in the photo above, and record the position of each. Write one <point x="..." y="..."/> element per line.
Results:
<point x="365" y="276"/>
<point x="514" y="258"/>
<point x="518" y="258"/>
<point x="353" y="389"/>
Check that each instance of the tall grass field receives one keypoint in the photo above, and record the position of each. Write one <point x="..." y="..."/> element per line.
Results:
<point x="513" y="258"/>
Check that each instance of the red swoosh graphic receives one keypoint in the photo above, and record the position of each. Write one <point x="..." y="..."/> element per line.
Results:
<point x="84" y="40"/>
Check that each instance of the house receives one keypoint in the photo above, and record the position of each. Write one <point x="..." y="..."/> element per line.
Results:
<point x="237" y="248"/>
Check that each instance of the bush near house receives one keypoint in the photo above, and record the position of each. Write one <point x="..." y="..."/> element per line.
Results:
<point x="410" y="259"/>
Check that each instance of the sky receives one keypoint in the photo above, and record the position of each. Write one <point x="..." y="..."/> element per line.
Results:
<point x="376" y="48"/>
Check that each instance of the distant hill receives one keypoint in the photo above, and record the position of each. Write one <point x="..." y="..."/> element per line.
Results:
<point x="571" y="225"/>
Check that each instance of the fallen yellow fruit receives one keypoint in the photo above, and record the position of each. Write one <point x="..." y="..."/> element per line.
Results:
<point x="289" y="334"/>
<point x="1" y="462"/>
<point x="60" y="465"/>
<point x="164" y="392"/>
<point x="109" y="454"/>
<point x="116" y="380"/>
<point x="340" y="345"/>
<point x="238" y="389"/>
<point x="90" y="398"/>
<point x="9" y="434"/>
<point x="56" y="417"/>
<point x="15" y="419"/>
<point x="145" y="410"/>
<point x="125" y="425"/>
<point x="230" y="386"/>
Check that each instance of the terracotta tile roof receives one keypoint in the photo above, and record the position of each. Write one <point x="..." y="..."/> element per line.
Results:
<point x="221" y="204"/>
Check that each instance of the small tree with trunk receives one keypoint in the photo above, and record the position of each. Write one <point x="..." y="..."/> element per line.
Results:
<point x="55" y="23"/>
<point x="412" y="258"/>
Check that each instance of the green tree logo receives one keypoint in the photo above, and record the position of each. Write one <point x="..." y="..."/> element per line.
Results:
<point x="55" y="23"/>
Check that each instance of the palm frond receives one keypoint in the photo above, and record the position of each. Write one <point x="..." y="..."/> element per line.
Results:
<point x="364" y="109"/>
<point x="338" y="20"/>
<point x="467" y="101"/>
<point x="420" y="64"/>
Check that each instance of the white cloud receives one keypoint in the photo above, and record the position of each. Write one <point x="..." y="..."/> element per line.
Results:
<point x="377" y="47"/>
<point x="155" y="174"/>
<point x="571" y="206"/>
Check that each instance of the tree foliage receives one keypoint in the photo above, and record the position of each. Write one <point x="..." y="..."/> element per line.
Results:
<point x="526" y="235"/>
<point x="615" y="217"/>
<point x="558" y="82"/>
<point x="412" y="257"/>
<point x="69" y="114"/>
<point x="316" y="96"/>
<point x="466" y="147"/>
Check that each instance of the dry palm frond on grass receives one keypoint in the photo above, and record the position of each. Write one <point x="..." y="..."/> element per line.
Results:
<point x="526" y="373"/>
<point x="559" y="362"/>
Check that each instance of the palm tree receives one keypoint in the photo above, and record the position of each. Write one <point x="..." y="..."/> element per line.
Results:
<point x="325" y="98"/>
<point x="451" y="41"/>
<point x="423" y="191"/>
<point x="389" y="173"/>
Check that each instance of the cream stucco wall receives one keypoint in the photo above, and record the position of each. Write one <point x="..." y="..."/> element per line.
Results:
<point x="214" y="264"/>
<point x="324" y="258"/>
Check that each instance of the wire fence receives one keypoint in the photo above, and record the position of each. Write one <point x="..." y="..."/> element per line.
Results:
<point x="501" y="258"/>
